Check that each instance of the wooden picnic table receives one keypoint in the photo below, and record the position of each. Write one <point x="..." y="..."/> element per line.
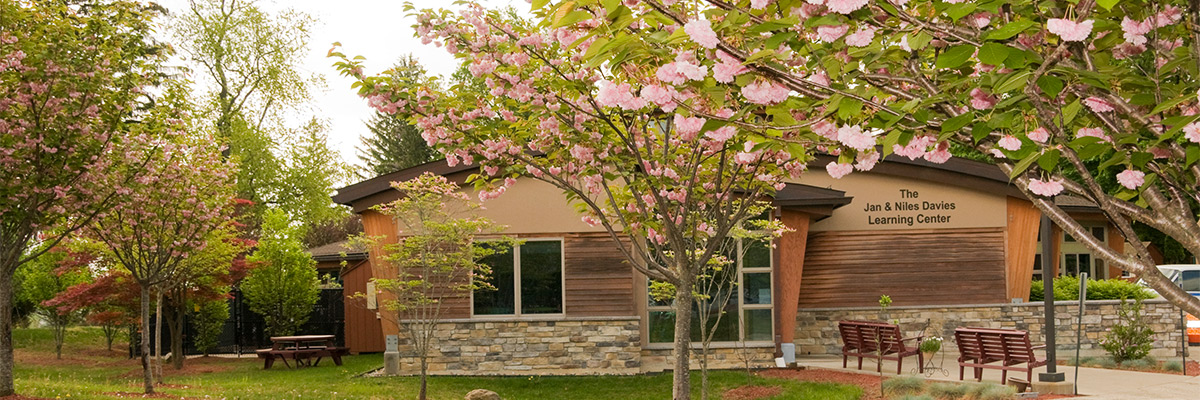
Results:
<point x="302" y="349"/>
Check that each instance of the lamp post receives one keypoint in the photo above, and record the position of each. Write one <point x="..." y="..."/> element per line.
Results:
<point x="1051" y="374"/>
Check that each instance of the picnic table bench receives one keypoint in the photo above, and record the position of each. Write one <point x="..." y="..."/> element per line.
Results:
<point x="301" y="350"/>
<point x="878" y="340"/>
<point x="1009" y="349"/>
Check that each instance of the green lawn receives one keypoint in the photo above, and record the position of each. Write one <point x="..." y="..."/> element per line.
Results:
<point x="88" y="372"/>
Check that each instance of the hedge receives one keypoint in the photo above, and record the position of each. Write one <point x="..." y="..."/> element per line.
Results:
<point x="1067" y="288"/>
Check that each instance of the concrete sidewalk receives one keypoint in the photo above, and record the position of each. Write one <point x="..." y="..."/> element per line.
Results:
<point x="1095" y="383"/>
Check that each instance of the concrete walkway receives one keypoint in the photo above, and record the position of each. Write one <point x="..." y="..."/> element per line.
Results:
<point x="1095" y="383"/>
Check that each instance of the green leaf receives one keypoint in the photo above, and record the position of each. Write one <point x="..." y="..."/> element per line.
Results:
<point x="572" y="18"/>
<point x="956" y="123"/>
<point x="538" y="4"/>
<point x="1171" y="103"/>
<point x="993" y="53"/>
<point x="1049" y="159"/>
<point x="849" y="108"/>
<point x="779" y="38"/>
<point x="958" y="11"/>
<point x="980" y="131"/>
<point x="1010" y="29"/>
<point x="1117" y="158"/>
<point x="1022" y="166"/>
<point x="1093" y="150"/>
<point x="1107" y="4"/>
<point x="1193" y="155"/>
<point x="1050" y="85"/>
<point x="1140" y="159"/>
<point x="919" y="40"/>
<point x="955" y="56"/>
<point x="1015" y="81"/>
<point x="760" y="54"/>
<point x="1070" y="111"/>
<point x="892" y="139"/>
<point x="1016" y="59"/>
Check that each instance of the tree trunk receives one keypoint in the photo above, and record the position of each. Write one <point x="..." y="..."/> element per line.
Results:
<point x="60" y="331"/>
<point x="6" y="326"/>
<point x="424" y="376"/>
<point x="175" y="325"/>
<point x="109" y="332"/>
<point x="681" y="388"/>
<point x="147" y="377"/>
<point x="158" y="337"/>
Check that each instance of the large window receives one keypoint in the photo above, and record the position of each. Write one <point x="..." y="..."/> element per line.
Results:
<point x="751" y="302"/>
<point x="528" y="279"/>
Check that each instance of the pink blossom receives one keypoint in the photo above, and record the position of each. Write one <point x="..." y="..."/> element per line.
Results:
<point x="837" y="171"/>
<point x="722" y="134"/>
<point x="679" y="72"/>
<point x="1039" y="135"/>
<point x="861" y="38"/>
<point x="852" y="136"/>
<point x="1134" y="31"/>
<point x="914" y="149"/>
<point x="980" y="20"/>
<point x="981" y="100"/>
<point x="866" y="161"/>
<point x="1092" y="132"/>
<point x="765" y="92"/>
<point x="1097" y="104"/>
<point x="939" y="155"/>
<point x="831" y="33"/>
<point x="819" y="78"/>
<point x="826" y="129"/>
<point x="845" y="6"/>
<point x="758" y="4"/>
<point x="662" y="96"/>
<point x="612" y="95"/>
<point x="1192" y="132"/>
<point x="1010" y="143"/>
<point x="1168" y="16"/>
<point x="1045" y="188"/>
<point x="728" y="68"/>
<point x="1131" y="179"/>
<point x="688" y="127"/>
<point x="701" y="32"/>
<point x="1069" y="30"/>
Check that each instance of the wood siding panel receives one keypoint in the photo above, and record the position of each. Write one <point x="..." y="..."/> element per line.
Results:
<point x="914" y="267"/>
<point x="362" y="328"/>
<point x="1021" y="244"/>
<point x="597" y="279"/>
<point x="789" y="273"/>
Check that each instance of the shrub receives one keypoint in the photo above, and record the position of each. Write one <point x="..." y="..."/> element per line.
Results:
<point x="209" y="323"/>
<point x="1173" y="366"/>
<point x="975" y="391"/>
<point x="1131" y="338"/>
<point x="1141" y="364"/>
<point x="1067" y="288"/>
<point x="1103" y="362"/>
<point x="903" y="385"/>
<point x="997" y="392"/>
<point x="915" y="397"/>
<point x="948" y="391"/>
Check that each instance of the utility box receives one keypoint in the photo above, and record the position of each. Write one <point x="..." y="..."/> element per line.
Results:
<point x="391" y="356"/>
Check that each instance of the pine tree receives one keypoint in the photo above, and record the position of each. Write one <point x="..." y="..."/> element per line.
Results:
<point x="395" y="144"/>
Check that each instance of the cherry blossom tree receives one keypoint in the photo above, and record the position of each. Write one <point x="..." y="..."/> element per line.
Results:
<point x="668" y="183"/>
<point x="71" y="79"/>
<point x="166" y="215"/>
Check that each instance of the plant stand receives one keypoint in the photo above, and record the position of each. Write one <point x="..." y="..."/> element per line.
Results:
<point x="930" y="367"/>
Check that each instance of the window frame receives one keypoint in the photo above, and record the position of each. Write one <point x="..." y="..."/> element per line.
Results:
<point x="516" y="254"/>
<point x="742" y="307"/>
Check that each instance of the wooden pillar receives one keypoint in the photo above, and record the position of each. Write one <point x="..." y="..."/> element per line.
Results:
<point x="1116" y="242"/>
<point x="378" y="225"/>
<point x="1056" y="239"/>
<point x="789" y="267"/>
<point x="1020" y="237"/>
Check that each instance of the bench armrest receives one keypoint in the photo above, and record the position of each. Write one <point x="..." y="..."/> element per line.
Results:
<point x="1038" y="347"/>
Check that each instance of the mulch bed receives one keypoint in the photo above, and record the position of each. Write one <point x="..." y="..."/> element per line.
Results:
<point x="752" y="392"/>
<point x="140" y="395"/>
<point x="869" y="383"/>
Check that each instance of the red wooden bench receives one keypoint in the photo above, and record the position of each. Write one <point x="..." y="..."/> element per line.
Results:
<point x="1002" y="349"/>
<point x="880" y="341"/>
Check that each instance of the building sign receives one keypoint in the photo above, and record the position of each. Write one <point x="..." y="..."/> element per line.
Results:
<point x="910" y="209"/>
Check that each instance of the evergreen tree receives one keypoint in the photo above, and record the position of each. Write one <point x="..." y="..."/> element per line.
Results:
<point x="395" y="144"/>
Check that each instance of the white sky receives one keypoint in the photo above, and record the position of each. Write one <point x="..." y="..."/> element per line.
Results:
<point x="376" y="29"/>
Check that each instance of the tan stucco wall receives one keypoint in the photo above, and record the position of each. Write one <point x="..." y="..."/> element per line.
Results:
<point x="532" y="206"/>
<point x="932" y="202"/>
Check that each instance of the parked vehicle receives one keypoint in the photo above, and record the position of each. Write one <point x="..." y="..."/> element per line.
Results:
<point x="1187" y="276"/>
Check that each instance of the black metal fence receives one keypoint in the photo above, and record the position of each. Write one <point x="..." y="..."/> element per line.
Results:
<point x="245" y="330"/>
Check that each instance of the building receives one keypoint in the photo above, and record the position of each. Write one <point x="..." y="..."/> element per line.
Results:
<point x="922" y="233"/>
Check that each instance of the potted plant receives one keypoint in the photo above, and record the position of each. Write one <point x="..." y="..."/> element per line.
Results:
<point x="930" y="346"/>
